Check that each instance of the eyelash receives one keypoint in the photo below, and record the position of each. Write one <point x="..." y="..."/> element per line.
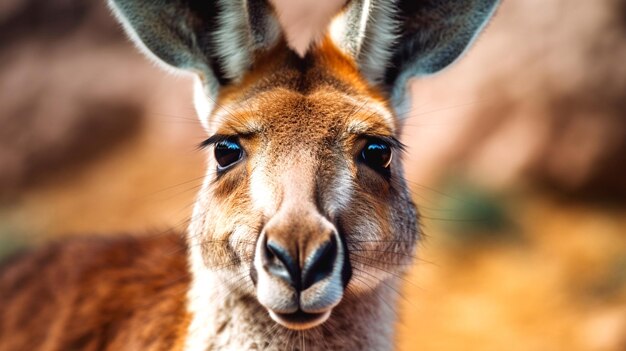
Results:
<point x="214" y="139"/>
<point x="395" y="144"/>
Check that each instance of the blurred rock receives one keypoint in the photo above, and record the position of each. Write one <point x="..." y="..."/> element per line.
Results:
<point x="58" y="108"/>
<point x="541" y="99"/>
<point x="53" y="20"/>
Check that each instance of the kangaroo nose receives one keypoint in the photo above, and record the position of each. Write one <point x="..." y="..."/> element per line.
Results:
<point x="301" y="269"/>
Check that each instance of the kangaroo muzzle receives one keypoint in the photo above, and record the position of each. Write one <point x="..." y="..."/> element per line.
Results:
<point x="299" y="260"/>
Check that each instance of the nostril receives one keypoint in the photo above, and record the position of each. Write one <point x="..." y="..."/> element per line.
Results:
<point x="320" y="263"/>
<point x="281" y="264"/>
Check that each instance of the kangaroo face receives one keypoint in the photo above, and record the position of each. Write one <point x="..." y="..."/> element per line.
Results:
<point x="304" y="206"/>
<point x="307" y="188"/>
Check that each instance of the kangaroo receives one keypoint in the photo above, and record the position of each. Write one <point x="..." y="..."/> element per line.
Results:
<point x="304" y="225"/>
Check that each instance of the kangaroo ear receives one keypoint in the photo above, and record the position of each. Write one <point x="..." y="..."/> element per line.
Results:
<point x="393" y="41"/>
<point x="216" y="39"/>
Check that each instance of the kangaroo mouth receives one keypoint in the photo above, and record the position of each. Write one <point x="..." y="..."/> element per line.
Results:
<point x="300" y="320"/>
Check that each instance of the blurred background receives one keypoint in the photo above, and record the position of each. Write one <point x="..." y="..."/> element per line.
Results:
<point x="517" y="159"/>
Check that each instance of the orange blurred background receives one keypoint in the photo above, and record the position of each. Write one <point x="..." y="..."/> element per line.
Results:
<point x="517" y="159"/>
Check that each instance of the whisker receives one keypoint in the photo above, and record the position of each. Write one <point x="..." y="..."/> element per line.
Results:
<point x="398" y="293"/>
<point x="411" y="114"/>
<point x="399" y="276"/>
<point x="185" y="118"/>
<point x="461" y="220"/>
<point x="177" y="185"/>
<point x="364" y="282"/>
<point x="413" y="257"/>
<point x="432" y="190"/>
<point x="379" y="241"/>
<point x="385" y="262"/>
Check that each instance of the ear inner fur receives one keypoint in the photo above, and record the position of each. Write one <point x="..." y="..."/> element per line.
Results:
<point x="406" y="38"/>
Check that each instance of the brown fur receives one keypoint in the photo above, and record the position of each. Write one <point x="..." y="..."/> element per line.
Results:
<point x="122" y="293"/>
<point x="131" y="293"/>
<point x="294" y="115"/>
<point x="298" y="110"/>
<point x="300" y="179"/>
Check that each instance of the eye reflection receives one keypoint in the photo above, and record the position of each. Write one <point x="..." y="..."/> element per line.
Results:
<point x="377" y="155"/>
<point x="227" y="153"/>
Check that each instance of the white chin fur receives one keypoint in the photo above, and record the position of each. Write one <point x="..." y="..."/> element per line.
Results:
<point x="300" y="326"/>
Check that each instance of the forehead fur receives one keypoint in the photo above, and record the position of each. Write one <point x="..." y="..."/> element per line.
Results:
<point x="322" y="88"/>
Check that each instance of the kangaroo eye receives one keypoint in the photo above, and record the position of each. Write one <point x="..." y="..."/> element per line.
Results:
<point x="227" y="153"/>
<point x="376" y="154"/>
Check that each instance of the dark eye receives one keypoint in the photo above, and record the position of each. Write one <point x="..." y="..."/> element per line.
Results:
<point x="227" y="153"/>
<point x="376" y="154"/>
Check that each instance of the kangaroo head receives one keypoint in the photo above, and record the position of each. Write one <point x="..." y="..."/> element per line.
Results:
<point x="304" y="205"/>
